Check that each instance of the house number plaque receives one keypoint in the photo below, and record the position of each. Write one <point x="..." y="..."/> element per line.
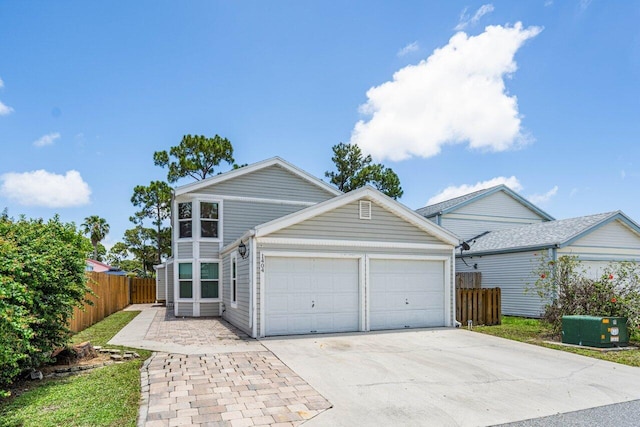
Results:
<point x="262" y="263"/>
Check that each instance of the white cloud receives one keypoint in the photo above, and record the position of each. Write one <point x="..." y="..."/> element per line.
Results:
<point x="42" y="188"/>
<point x="465" y="19"/>
<point x="457" y="95"/>
<point x="543" y="198"/>
<point x="584" y="5"/>
<point x="46" y="139"/>
<point x="411" y="47"/>
<point x="453" y="191"/>
<point x="4" y="109"/>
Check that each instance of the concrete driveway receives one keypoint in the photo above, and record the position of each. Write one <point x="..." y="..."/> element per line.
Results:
<point x="448" y="377"/>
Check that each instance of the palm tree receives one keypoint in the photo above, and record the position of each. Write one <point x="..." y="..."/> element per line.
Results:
<point x="97" y="229"/>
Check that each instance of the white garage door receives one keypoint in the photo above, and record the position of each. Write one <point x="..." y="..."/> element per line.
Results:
<point x="406" y="293"/>
<point x="309" y="295"/>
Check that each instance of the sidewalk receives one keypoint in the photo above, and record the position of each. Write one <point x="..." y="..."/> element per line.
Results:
<point x="205" y="372"/>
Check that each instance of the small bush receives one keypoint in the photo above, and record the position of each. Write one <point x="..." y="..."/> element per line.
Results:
<point x="42" y="278"/>
<point x="565" y="285"/>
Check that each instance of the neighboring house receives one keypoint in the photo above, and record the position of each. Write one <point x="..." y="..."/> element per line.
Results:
<point x="100" y="267"/>
<point x="276" y="251"/>
<point x="491" y="209"/>
<point x="507" y="256"/>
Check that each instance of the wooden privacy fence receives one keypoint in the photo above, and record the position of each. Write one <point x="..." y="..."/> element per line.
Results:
<point x="471" y="280"/>
<point x="481" y="306"/>
<point x="111" y="293"/>
<point x="143" y="291"/>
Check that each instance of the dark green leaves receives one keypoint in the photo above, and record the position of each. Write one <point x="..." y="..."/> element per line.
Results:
<point x="354" y="170"/>
<point x="196" y="157"/>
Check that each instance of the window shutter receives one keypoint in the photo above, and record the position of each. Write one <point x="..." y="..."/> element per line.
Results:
<point x="365" y="209"/>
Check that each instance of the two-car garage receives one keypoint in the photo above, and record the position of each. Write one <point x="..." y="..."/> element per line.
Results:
<point x="324" y="293"/>
<point x="358" y="262"/>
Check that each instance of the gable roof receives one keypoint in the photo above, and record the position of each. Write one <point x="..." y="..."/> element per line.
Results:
<point x="365" y="192"/>
<point x="559" y="233"/>
<point x="458" y="202"/>
<point x="274" y="161"/>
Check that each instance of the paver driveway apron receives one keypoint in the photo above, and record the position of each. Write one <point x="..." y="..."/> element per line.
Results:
<point x="207" y="373"/>
<point x="448" y="377"/>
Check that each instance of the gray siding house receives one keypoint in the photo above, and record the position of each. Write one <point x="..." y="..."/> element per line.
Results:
<point x="491" y="209"/>
<point x="276" y="251"/>
<point x="508" y="250"/>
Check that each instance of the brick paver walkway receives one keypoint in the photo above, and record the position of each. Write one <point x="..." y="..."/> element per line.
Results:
<point x="252" y="388"/>
<point x="195" y="330"/>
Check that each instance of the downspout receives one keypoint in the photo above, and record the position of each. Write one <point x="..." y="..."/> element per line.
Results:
<point x="554" y="258"/>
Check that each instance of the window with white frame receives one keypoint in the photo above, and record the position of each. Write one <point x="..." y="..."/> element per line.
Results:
<point x="233" y="288"/>
<point x="209" y="219"/>
<point x="185" y="280"/>
<point x="185" y="220"/>
<point x="209" y="280"/>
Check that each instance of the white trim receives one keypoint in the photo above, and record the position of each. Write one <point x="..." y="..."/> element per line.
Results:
<point x="367" y="192"/>
<point x="352" y="243"/>
<point x="253" y="281"/>
<point x="233" y="281"/>
<point x="196" y="231"/>
<point x="176" y="282"/>
<point x="254" y="199"/>
<point x="289" y="254"/>
<point x="220" y="275"/>
<point x="252" y="168"/>
<point x="364" y="322"/>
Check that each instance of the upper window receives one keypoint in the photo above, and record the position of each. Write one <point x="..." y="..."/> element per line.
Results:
<point x="209" y="280"/>
<point x="185" y="278"/>
<point x="185" y="224"/>
<point x="234" y="279"/>
<point x="208" y="219"/>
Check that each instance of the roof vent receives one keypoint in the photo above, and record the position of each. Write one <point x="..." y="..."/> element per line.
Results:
<point x="365" y="209"/>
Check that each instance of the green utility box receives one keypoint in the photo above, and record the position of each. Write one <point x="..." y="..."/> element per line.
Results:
<point x="595" y="331"/>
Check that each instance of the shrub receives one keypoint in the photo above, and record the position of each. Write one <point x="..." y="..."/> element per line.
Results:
<point x="42" y="278"/>
<point x="564" y="283"/>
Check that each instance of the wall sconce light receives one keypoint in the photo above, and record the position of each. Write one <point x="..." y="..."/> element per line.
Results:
<point x="242" y="250"/>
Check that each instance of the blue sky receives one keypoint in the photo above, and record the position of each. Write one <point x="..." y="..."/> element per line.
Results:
<point x="542" y="95"/>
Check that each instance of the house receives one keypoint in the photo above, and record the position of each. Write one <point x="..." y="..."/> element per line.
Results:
<point x="506" y="238"/>
<point x="100" y="267"/>
<point x="491" y="209"/>
<point x="276" y="251"/>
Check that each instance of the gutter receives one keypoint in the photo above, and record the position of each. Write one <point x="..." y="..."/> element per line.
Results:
<point x="511" y="250"/>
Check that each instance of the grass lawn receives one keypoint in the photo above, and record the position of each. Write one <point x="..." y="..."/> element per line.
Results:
<point x="107" y="396"/>
<point x="535" y="332"/>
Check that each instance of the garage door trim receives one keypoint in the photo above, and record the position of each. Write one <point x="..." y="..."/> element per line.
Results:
<point x="447" y="280"/>
<point x="288" y="254"/>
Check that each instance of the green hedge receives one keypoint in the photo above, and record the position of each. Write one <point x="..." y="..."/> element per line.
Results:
<point x="42" y="277"/>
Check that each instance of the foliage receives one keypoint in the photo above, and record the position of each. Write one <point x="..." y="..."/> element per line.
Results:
<point x="139" y="241"/>
<point x="564" y="283"/>
<point x="97" y="229"/>
<point x="108" y="396"/>
<point x="354" y="170"/>
<point x="118" y="253"/>
<point x="196" y="157"/>
<point x="154" y="202"/>
<point x="42" y="273"/>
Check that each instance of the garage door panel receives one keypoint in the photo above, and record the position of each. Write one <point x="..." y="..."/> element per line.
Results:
<point x="290" y="324"/>
<point x="320" y="295"/>
<point x="406" y="293"/>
